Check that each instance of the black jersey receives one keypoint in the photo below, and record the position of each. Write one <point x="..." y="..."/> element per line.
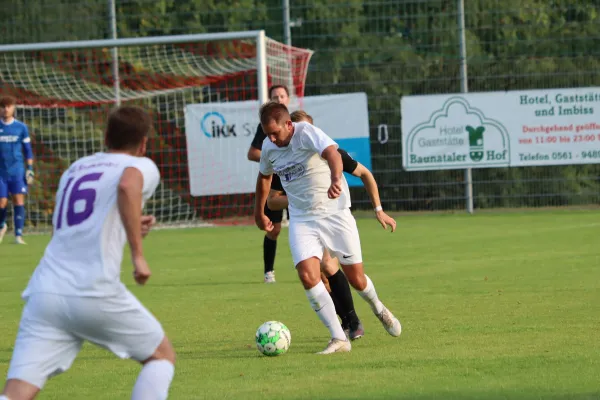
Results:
<point x="349" y="165"/>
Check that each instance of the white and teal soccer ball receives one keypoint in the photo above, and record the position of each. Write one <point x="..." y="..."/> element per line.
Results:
<point x="273" y="338"/>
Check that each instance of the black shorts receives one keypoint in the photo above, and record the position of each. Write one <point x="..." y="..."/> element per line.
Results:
<point x="275" y="216"/>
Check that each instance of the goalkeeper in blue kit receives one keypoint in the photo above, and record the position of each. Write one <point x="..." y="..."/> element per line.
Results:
<point x="15" y="152"/>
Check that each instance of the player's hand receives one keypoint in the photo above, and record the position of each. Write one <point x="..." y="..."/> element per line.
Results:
<point x="263" y="222"/>
<point x="148" y="221"/>
<point x="386" y="220"/>
<point x="29" y="175"/>
<point x="141" y="270"/>
<point x="335" y="190"/>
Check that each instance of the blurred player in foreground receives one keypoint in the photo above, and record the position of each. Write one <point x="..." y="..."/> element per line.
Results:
<point x="279" y="94"/>
<point x="75" y="293"/>
<point x="310" y="168"/>
<point x="334" y="279"/>
<point x="14" y="142"/>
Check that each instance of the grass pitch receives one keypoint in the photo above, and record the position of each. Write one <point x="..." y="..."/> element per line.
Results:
<point x="501" y="306"/>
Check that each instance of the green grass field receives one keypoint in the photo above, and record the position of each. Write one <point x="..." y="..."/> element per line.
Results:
<point x="495" y="306"/>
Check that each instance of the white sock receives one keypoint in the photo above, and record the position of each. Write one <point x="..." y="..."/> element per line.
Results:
<point x="3" y="397"/>
<point x="153" y="381"/>
<point x="370" y="296"/>
<point x="321" y="302"/>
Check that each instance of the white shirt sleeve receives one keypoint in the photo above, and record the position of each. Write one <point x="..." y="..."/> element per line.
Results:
<point x="150" y="173"/>
<point x="265" y="168"/>
<point x="313" y="138"/>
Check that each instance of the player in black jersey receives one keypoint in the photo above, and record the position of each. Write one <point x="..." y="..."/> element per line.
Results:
<point x="331" y="275"/>
<point x="279" y="94"/>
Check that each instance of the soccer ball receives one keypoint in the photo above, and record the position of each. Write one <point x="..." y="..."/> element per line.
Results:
<point x="273" y="338"/>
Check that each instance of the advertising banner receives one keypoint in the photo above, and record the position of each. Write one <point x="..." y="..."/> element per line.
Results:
<point x="219" y="135"/>
<point x="501" y="129"/>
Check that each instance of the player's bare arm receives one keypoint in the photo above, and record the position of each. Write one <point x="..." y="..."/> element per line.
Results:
<point x="148" y="221"/>
<point x="263" y="184"/>
<point x="277" y="200"/>
<point x="129" y="202"/>
<point x="371" y="187"/>
<point x="334" y="160"/>
<point x="254" y="154"/>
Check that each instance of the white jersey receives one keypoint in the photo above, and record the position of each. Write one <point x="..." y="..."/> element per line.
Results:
<point x="85" y="253"/>
<point x="305" y="175"/>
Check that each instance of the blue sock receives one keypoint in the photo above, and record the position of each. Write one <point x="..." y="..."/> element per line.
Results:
<point x="19" y="220"/>
<point x="2" y="217"/>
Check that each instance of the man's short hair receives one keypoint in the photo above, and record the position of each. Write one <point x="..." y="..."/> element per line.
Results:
<point x="273" y="111"/>
<point x="7" y="101"/>
<point x="278" y="87"/>
<point x="301" y="115"/>
<point x="127" y="127"/>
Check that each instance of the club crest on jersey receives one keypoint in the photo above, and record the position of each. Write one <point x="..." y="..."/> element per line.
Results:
<point x="290" y="172"/>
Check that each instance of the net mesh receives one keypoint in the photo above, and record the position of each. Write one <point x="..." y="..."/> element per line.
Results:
<point x="64" y="97"/>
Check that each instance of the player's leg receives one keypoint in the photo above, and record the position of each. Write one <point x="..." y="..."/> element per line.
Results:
<point x="329" y="267"/>
<point x="17" y="389"/>
<point x="154" y="380"/>
<point x="42" y="348"/>
<point x="19" y="217"/>
<point x="18" y="188"/>
<point x="326" y="283"/>
<point x="342" y="297"/>
<point x="270" y="244"/>
<point x="306" y="252"/>
<point x="363" y="284"/>
<point x="344" y="242"/>
<point x="3" y="205"/>
<point x="124" y="326"/>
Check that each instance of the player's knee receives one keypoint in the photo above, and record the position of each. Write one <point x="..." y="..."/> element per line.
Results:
<point x="356" y="276"/>
<point x="329" y="267"/>
<point x="3" y="202"/>
<point x="18" y="200"/>
<point x="309" y="279"/>
<point x="274" y="234"/>
<point x="17" y="389"/>
<point x="164" y="351"/>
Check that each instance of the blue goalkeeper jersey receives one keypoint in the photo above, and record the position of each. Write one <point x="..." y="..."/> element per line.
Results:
<point x="15" y="148"/>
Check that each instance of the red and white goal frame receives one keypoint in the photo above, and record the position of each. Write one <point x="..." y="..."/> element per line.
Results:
<point x="64" y="91"/>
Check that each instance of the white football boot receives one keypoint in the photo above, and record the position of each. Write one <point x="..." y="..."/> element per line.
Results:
<point x="337" y="346"/>
<point x="389" y="322"/>
<point x="270" y="277"/>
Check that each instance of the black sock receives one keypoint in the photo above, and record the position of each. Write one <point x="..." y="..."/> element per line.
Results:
<point x="269" y="249"/>
<point x="336" y="304"/>
<point x="340" y="288"/>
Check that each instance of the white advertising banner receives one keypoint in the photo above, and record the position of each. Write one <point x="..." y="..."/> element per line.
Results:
<point x="219" y="135"/>
<point x="501" y="129"/>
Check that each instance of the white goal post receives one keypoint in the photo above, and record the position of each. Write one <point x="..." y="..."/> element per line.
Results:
<point x="258" y="36"/>
<point x="65" y="89"/>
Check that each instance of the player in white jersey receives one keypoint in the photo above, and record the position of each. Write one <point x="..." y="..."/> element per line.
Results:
<point x="310" y="169"/>
<point x="75" y="293"/>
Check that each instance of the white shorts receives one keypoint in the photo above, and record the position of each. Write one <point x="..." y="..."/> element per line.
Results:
<point x="338" y="233"/>
<point x="53" y="329"/>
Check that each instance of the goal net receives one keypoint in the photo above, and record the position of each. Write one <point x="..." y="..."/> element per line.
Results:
<point x="65" y="90"/>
